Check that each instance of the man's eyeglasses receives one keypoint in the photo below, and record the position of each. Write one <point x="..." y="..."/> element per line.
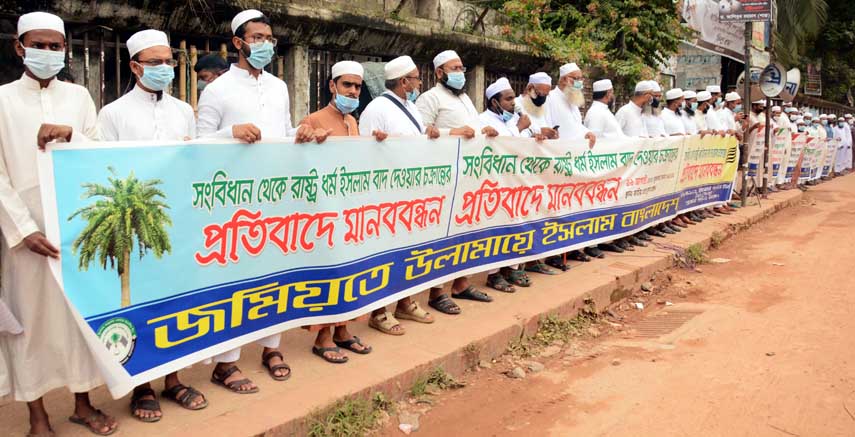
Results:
<point x="259" y="38"/>
<point x="158" y="62"/>
<point x="460" y="69"/>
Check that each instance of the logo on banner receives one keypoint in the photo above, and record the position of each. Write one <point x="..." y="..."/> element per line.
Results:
<point x="731" y="155"/>
<point x="120" y="338"/>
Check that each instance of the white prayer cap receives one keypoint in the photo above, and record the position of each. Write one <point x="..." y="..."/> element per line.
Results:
<point x="40" y="21"/>
<point x="732" y="96"/>
<point x="832" y="117"/>
<point x="848" y="115"/>
<point x="602" y="85"/>
<point x="776" y="108"/>
<point x="714" y="89"/>
<point x="790" y="110"/>
<point x="399" y="67"/>
<point x="643" y="86"/>
<point x="821" y="116"/>
<point x="243" y="17"/>
<point x="761" y="102"/>
<point x="568" y="68"/>
<point x="703" y="96"/>
<point x="146" y="39"/>
<point x="673" y="94"/>
<point x="788" y="103"/>
<point x="346" y="67"/>
<point x="444" y="57"/>
<point x="689" y="94"/>
<point x="498" y="86"/>
<point x="655" y="85"/>
<point x="540" y="78"/>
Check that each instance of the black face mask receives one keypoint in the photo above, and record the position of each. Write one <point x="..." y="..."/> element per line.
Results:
<point x="539" y="100"/>
<point x="655" y="103"/>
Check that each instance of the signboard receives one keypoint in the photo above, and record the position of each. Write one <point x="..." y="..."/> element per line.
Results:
<point x="813" y="79"/>
<point x="696" y="68"/>
<point x="742" y="11"/>
<point x="724" y="38"/>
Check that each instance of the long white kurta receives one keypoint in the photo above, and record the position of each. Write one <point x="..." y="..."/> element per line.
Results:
<point x="629" y="118"/>
<point x="138" y="115"/>
<point x="843" y="158"/>
<point x="673" y="123"/>
<point x="602" y="122"/>
<point x="504" y="128"/>
<point x="447" y="110"/>
<point x="382" y="114"/>
<point x="689" y="123"/>
<point x="566" y="116"/>
<point x="237" y="97"/>
<point x="51" y="352"/>
<point x="234" y="98"/>
<point x="654" y="125"/>
<point x="713" y="121"/>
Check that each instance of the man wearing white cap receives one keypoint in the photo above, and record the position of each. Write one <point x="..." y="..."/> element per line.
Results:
<point x="532" y="103"/>
<point x="731" y="113"/>
<point x="246" y="102"/>
<point x="704" y="99"/>
<point x="37" y="109"/>
<point x="249" y="104"/>
<point x="395" y="111"/>
<point x="844" y="156"/>
<point x="446" y="105"/>
<point x="715" y="93"/>
<point x="629" y="115"/>
<point x="690" y="105"/>
<point x="672" y="115"/>
<point x="652" y="113"/>
<point x="563" y="106"/>
<point x="335" y="119"/>
<point x="599" y="118"/>
<point x="147" y="113"/>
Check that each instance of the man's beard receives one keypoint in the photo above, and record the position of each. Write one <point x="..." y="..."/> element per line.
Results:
<point x="574" y="97"/>
<point x="689" y="111"/>
<point x="531" y="109"/>
<point x="650" y="110"/>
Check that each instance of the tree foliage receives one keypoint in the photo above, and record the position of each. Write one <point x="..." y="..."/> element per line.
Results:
<point x="835" y="47"/>
<point x="798" y="21"/>
<point x="627" y="38"/>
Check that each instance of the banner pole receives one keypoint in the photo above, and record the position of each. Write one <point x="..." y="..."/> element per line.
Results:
<point x="746" y="98"/>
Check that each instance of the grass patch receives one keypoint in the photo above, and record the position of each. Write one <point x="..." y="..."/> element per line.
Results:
<point x="350" y="417"/>
<point x="551" y="329"/>
<point x="695" y="254"/>
<point x="438" y="378"/>
<point x="716" y="240"/>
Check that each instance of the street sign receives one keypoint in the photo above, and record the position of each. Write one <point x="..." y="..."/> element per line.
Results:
<point x="773" y="80"/>
<point x="742" y="11"/>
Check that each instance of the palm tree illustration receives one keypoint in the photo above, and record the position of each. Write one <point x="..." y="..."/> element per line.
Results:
<point x="124" y="211"/>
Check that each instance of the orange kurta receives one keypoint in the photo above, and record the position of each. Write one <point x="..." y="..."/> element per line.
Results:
<point x="342" y="125"/>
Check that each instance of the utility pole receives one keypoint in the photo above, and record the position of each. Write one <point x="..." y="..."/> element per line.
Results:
<point x="766" y="151"/>
<point x="746" y="98"/>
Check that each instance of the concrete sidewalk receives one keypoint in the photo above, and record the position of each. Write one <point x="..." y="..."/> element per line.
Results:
<point x="483" y="331"/>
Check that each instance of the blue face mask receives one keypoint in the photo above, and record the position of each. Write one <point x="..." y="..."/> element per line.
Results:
<point x="801" y="128"/>
<point x="346" y="104"/>
<point x="824" y="122"/>
<point x="44" y="64"/>
<point x="507" y="116"/>
<point x="201" y="84"/>
<point x="261" y="53"/>
<point x="578" y="84"/>
<point x="718" y="101"/>
<point x="456" y="80"/>
<point x="157" y="78"/>
<point x="412" y="95"/>
<point x="694" y="106"/>
<point x="738" y="108"/>
<point x="841" y="124"/>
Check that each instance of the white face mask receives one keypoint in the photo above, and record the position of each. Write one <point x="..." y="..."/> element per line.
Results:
<point x="44" y="64"/>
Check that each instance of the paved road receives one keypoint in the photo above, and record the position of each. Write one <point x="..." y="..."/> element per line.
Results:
<point x="767" y="349"/>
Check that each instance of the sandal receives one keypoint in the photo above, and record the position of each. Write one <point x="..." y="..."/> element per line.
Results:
<point x="517" y="277"/>
<point x="498" y="282"/>
<point x="94" y="422"/>
<point x="271" y="370"/>
<point x="321" y="351"/>
<point x="445" y="305"/>
<point x="386" y="323"/>
<point x="557" y="262"/>
<point x="578" y="255"/>
<point x="415" y="313"/>
<point x="234" y="386"/>
<point x="540" y="267"/>
<point x="185" y="399"/>
<point x="472" y="293"/>
<point x="348" y="344"/>
<point x="137" y="403"/>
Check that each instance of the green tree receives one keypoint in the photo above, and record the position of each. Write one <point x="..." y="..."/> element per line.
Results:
<point x="125" y="210"/>
<point x="835" y="47"/>
<point x="798" y="22"/>
<point x="627" y="38"/>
